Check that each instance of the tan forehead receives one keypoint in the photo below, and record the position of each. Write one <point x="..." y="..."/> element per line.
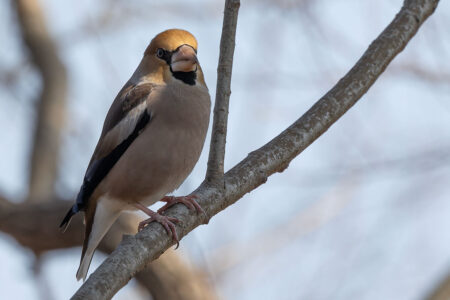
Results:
<point x="171" y="39"/>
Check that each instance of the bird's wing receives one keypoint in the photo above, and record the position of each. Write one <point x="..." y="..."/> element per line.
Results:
<point x="126" y="118"/>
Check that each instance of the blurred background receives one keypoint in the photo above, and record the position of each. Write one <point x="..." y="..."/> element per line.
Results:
<point x="363" y="213"/>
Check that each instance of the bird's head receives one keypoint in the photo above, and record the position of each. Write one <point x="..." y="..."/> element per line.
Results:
<point x="172" y="54"/>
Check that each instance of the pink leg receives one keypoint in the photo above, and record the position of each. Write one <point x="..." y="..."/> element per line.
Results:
<point x="166" y="222"/>
<point x="189" y="201"/>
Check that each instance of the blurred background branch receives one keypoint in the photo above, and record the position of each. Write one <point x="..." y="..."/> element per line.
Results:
<point x="51" y="106"/>
<point x="441" y="291"/>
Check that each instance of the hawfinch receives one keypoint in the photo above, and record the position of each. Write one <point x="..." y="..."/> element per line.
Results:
<point x="151" y="139"/>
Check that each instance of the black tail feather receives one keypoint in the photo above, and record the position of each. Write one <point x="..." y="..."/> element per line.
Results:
<point x="66" y="221"/>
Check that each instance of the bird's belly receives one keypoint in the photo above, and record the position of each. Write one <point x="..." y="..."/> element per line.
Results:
<point x="156" y="163"/>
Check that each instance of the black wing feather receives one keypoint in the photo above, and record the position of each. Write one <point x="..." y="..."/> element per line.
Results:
<point x="101" y="167"/>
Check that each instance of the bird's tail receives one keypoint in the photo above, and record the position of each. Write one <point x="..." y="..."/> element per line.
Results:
<point x="97" y="224"/>
<point x="66" y="221"/>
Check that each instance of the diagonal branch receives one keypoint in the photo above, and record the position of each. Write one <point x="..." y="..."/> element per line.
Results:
<point x="219" y="129"/>
<point x="33" y="226"/>
<point x="135" y="252"/>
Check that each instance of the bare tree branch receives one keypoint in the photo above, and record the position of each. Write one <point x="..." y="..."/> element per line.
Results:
<point x="52" y="100"/>
<point x="215" y="170"/>
<point x="33" y="226"/>
<point x="135" y="252"/>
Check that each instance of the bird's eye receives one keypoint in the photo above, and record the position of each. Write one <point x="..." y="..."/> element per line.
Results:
<point x="160" y="52"/>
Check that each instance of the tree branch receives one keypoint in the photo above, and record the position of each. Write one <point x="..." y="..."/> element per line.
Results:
<point x="135" y="252"/>
<point x="33" y="226"/>
<point x="215" y="170"/>
<point x="52" y="100"/>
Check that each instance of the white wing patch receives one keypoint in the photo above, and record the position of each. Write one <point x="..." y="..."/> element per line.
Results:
<point x="123" y="129"/>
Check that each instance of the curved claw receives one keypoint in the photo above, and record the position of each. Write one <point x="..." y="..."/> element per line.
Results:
<point x="166" y="222"/>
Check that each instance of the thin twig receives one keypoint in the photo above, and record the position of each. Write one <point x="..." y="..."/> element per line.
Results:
<point x="215" y="171"/>
<point x="135" y="252"/>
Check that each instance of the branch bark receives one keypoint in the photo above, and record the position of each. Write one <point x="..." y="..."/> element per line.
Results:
<point x="52" y="99"/>
<point x="214" y="173"/>
<point x="135" y="252"/>
<point x="33" y="226"/>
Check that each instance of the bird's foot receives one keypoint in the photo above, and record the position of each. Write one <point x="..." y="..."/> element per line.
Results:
<point x="166" y="222"/>
<point x="189" y="201"/>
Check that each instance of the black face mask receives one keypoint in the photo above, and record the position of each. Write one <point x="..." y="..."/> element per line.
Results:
<point x="186" y="77"/>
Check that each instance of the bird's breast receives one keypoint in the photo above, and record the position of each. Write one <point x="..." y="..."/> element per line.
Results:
<point x="166" y="151"/>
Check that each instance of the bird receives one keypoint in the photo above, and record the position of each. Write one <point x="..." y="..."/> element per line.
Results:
<point x="152" y="138"/>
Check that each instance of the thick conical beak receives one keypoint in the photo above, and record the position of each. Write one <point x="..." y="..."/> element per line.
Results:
<point x="184" y="60"/>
